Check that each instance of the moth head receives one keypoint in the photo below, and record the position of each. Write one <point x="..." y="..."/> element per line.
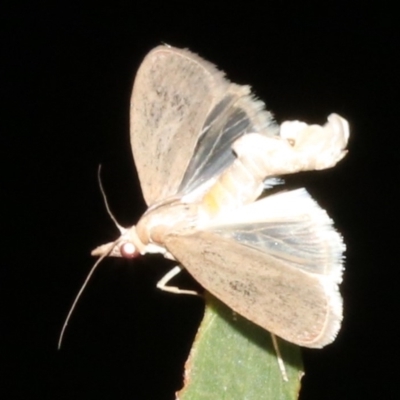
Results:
<point x="128" y="245"/>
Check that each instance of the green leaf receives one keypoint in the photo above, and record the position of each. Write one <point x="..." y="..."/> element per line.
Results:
<point x="232" y="358"/>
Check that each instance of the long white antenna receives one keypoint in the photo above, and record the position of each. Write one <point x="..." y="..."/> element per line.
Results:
<point x="104" y="255"/>
<point x="103" y="193"/>
<point x="77" y="297"/>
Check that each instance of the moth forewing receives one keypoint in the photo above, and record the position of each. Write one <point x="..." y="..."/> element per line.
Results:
<point x="181" y="101"/>
<point x="284" y="300"/>
<point x="173" y="93"/>
<point x="279" y="271"/>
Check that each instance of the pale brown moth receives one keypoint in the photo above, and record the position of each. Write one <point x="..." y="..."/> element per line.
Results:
<point x="205" y="149"/>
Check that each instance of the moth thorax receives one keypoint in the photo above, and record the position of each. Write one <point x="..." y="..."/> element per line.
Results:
<point x="164" y="219"/>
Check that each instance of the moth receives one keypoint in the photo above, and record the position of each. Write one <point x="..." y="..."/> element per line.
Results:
<point x="205" y="150"/>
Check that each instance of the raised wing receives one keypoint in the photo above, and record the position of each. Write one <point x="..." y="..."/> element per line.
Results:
<point x="278" y="269"/>
<point x="184" y="118"/>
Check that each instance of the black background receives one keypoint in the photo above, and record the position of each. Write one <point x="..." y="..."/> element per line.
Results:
<point x="67" y="73"/>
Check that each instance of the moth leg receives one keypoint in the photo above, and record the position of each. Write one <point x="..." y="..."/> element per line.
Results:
<point x="161" y="284"/>
<point x="279" y="358"/>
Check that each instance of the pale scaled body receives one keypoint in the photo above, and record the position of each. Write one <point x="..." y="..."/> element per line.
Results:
<point x="204" y="148"/>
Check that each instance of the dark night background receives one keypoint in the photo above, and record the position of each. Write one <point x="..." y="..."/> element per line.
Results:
<point x="66" y="77"/>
